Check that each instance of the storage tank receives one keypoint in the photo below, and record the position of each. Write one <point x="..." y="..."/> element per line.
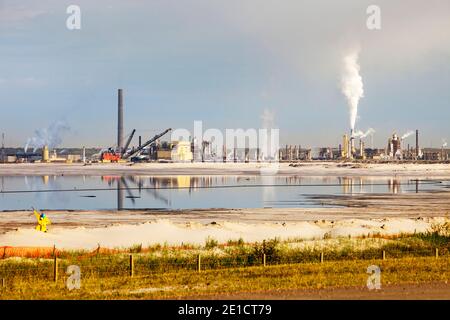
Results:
<point x="345" y="146"/>
<point x="45" y="154"/>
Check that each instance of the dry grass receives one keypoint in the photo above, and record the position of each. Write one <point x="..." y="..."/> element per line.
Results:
<point x="233" y="280"/>
<point x="167" y="272"/>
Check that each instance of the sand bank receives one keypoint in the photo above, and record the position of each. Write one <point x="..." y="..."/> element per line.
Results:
<point x="166" y="231"/>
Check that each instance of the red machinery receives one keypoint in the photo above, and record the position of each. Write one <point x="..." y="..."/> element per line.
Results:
<point x="113" y="156"/>
<point x="110" y="156"/>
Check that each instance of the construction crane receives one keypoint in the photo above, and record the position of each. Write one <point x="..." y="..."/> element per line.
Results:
<point x="128" y="143"/>
<point x="149" y="142"/>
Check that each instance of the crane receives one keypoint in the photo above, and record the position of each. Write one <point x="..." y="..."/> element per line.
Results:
<point x="128" y="143"/>
<point x="149" y="142"/>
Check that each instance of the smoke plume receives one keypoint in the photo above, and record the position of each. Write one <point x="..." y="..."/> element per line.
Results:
<point x="267" y="119"/>
<point x="352" y="85"/>
<point x="266" y="143"/>
<point x="362" y="134"/>
<point x="50" y="136"/>
<point x="406" y="135"/>
<point x="444" y="143"/>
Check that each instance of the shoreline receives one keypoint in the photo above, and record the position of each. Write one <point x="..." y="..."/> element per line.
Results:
<point x="316" y="168"/>
<point x="186" y="229"/>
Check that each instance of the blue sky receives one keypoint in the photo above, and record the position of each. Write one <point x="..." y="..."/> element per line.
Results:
<point x="223" y="62"/>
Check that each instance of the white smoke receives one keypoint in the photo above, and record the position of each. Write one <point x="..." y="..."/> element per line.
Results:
<point x="406" y="135"/>
<point x="444" y="143"/>
<point x="268" y="123"/>
<point x="50" y="136"/>
<point x="352" y="84"/>
<point x="267" y="119"/>
<point x="362" y="134"/>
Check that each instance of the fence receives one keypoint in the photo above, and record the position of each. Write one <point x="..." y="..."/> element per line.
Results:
<point x="131" y="265"/>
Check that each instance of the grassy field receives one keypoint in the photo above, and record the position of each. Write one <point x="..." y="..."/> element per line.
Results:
<point x="181" y="284"/>
<point x="160" y="271"/>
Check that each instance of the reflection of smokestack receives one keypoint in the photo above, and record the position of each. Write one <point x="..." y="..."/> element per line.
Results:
<point x="120" y="122"/>
<point x="119" y="194"/>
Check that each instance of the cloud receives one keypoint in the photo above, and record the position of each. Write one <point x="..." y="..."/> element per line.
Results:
<point x="23" y="82"/>
<point x="13" y="14"/>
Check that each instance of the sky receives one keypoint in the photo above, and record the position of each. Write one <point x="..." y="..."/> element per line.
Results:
<point x="223" y="62"/>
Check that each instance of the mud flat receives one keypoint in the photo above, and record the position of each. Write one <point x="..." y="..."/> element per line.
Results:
<point x="316" y="168"/>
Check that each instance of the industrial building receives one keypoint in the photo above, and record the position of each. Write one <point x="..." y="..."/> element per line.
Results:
<point x="352" y="148"/>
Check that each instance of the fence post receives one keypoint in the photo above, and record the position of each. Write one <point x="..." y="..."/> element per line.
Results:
<point x="384" y="255"/>
<point x="55" y="269"/>
<point x="264" y="259"/>
<point x="3" y="283"/>
<point x="437" y="253"/>
<point x="321" y="257"/>
<point x="131" y="266"/>
<point x="199" y="263"/>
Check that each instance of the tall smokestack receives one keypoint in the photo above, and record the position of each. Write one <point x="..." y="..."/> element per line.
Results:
<point x="417" y="144"/>
<point x="352" y="143"/>
<point x="120" y="121"/>
<point x="83" y="155"/>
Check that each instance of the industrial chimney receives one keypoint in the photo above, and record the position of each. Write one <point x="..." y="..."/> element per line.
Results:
<point x="120" y="122"/>
<point x="417" y="144"/>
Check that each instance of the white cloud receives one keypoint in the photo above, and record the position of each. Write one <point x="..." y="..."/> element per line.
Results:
<point x="12" y="14"/>
<point x="23" y="82"/>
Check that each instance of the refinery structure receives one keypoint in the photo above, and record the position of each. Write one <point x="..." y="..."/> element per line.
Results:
<point x="134" y="149"/>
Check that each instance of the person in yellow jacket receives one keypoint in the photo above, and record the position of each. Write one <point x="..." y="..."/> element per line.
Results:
<point x="42" y="221"/>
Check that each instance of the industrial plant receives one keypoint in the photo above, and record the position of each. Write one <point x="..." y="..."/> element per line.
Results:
<point x="352" y="148"/>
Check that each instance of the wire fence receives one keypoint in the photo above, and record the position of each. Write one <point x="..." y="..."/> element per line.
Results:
<point x="138" y="264"/>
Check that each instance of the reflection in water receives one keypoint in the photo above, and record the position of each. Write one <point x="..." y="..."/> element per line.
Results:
<point x="347" y="185"/>
<point x="119" y="194"/>
<point x="394" y="186"/>
<point x="152" y="184"/>
<point x="185" y="192"/>
<point x="184" y="181"/>
<point x="350" y="185"/>
<point x="268" y="192"/>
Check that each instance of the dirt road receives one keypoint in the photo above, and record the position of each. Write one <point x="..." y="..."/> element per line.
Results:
<point x="432" y="290"/>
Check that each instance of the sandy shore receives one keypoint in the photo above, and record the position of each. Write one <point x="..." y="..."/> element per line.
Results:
<point x="113" y="229"/>
<point x="315" y="168"/>
<point x="166" y="231"/>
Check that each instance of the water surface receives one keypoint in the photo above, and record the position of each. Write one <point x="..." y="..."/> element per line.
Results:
<point x="189" y="192"/>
